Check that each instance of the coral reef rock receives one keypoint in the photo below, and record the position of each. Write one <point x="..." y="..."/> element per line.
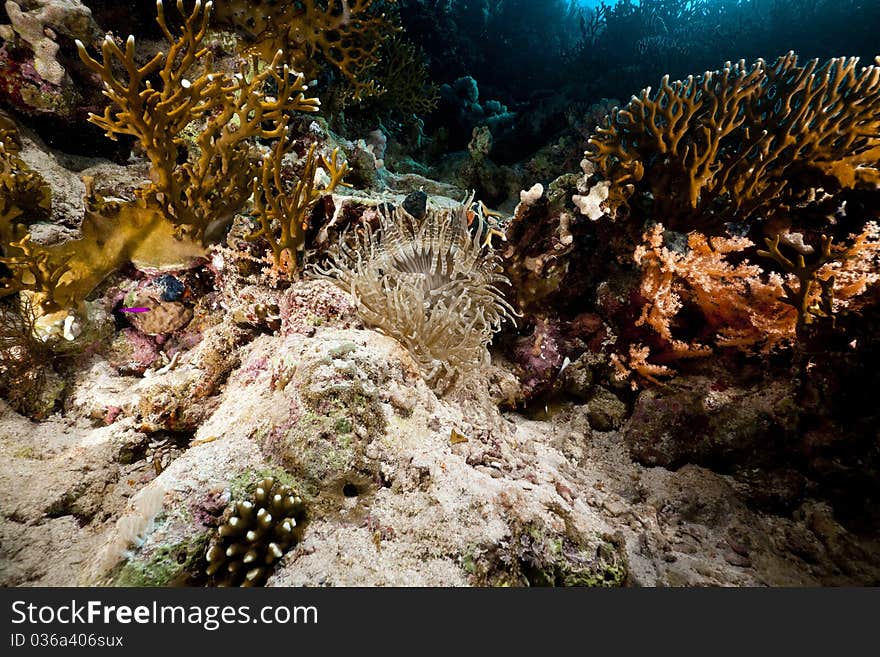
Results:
<point x="401" y="487"/>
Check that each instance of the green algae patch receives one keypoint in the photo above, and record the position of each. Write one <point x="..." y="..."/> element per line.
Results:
<point x="243" y="484"/>
<point x="170" y="565"/>
<point x="532" y="556"/>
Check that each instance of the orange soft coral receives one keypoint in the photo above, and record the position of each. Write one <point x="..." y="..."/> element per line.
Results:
<point x="738" y="303"/>
<point x="737" y="306"/>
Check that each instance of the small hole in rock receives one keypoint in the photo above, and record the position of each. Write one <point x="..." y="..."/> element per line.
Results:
<point x="350" y="490"/>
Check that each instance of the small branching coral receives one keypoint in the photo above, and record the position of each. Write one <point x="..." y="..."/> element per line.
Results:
<point x="822" y="284"/>
<point x="60" y="276"/>
<point x="33" y="269"/>
<point x="429" y="284"/>
<point x="254" y="535"/>
<point x="24" y="198"/>
<point x="814" y="297"/>
<point x="23" y="358"/>
<point x="283" y="215"/>
<point x="233" y="110"/>
<point x="191" y="189"/>
<point x="24" y="195"/>
<point x="403" y="78"/>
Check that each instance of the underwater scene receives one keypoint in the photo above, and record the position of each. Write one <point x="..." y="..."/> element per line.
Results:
<point x="440" y="293"/>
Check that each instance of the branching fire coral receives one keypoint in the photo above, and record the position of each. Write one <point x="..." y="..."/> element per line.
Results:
<point x="24" y="198"/>
<point x="809" y="285"/>
<point x="23" y="358"/>
<point x="212" y="185"/>
<point x="284" y="216"/>
<point x="403" y="77"/>
<point x="32" y="269"/>
<point x="730" y="144"/>
<point x="427" y="283"/>
<point x="190" y="191"/>
<point x="24" y="195"/>
<point x="60" y="276"/>
<point x="346" y="34"/>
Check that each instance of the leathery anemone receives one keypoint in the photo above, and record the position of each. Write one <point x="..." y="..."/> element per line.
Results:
<point x="426" y="282"/>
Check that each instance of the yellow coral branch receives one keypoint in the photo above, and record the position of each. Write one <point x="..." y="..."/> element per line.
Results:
<point x="346" y="34"/>
<point x="34" y="270"/>
<point x="743" y="140"/>
<point x="212" y="185"/>
<point x="805" y="300"/>
<point x="283" y="216"/>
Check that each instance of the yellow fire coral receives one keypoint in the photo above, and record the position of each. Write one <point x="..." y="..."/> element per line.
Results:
<point x="347" y="34"/>
<point x="745" y="140"/>
<point x="156" y="102"/>
<point x="24" y="195"/>
<point x="24" y="198"/>
<point x="32" y="269"/>
<point x="402" y="75"/>
<point x="282" y="215"/>
<point x="58" y="277"/>
<point x="235" y="110"/>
